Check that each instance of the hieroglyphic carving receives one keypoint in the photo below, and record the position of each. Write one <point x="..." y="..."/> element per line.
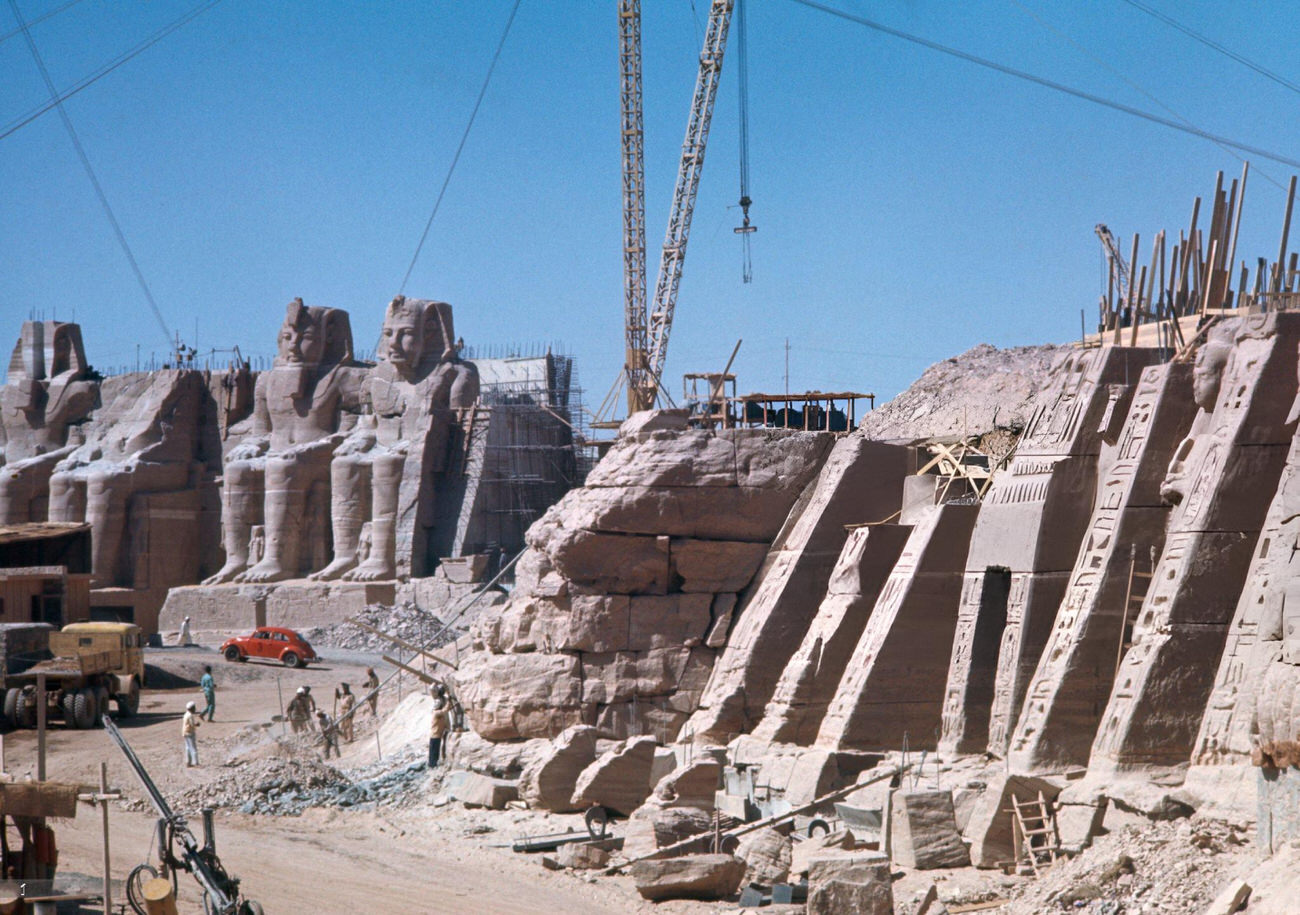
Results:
<point x="1221" y="481"/>
<point x="1073" y="678"/>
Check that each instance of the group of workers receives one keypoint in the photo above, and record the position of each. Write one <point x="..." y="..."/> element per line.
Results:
<point x="304" y="716"/>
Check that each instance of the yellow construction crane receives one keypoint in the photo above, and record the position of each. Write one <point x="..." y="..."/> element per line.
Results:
<point x="647" y="326"/>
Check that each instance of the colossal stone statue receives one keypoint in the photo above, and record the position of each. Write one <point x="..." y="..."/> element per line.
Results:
<point x="142" y="440"/>
<point x="380" y="474"/>
<point x="298" y="420"/>
<point x="46" y="392"/>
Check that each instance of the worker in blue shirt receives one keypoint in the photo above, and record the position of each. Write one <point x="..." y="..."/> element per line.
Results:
<point x="209" y="687"/>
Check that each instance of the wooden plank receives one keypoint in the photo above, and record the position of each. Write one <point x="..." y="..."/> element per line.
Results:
<point x="419" y="674"/>
<point x="402" y="642"/>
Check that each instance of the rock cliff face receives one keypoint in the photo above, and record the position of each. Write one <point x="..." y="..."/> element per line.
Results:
<point x="629" y="584"/>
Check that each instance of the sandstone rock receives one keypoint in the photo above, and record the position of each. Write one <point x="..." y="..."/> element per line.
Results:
<point x="989" y="829"/>
<point x="767" y="855"/>
<point x="620" y="779"/>
<point x="512" y="696"/>
<point x="714" y="566"/>
<point x="582" y="856"/>
<point x="692" y="785"/>
<point x="925" y="831"/>
<point x="850" y="882"/>
<point x="614" y="563"/>
<point x="499" y="760"/>
<point x="802" y="854"/>
<point x="476" y="790"/>
<point x="653" y="421"/>
<point x="689" y="877"/>
<point x="651" y="827"/>
<point x="1233" y="899"/>
<point x="548" y="782"/>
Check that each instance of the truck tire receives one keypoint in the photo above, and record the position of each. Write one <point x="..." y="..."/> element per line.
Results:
<point x="25" y="709"/>
<point x="291" y="659"/>
<point x="10" y="706"/>
<point x="83" y="709"/>
<point x="66" y="707"/>
<point x="103" y="705"/>
<point x="128" y="703"/>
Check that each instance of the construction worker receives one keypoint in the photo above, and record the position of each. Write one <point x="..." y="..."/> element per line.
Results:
<point x="347" y="702"/>
<point x="209" y="687"/>
<point x="189" y="731"/>
<point x="185" y="638"/>
<point x="438" y="728"/>
<point x="329" y="734"/>
<point x="298" y="711"/>
<point x="371" y="689"/>
<point x="310" y="705"/>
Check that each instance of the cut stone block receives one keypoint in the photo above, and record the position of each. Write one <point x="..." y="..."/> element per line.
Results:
<point x="582" y="856"/>
<point x="925" y="832"/>
<point x="689" y="877"/>
<point x="767" y="856"/>
<point x="651" y="827"/>
<point x="850" y="882"/>
<point x="989" y="829"/>
<point x="692" y="785"/>
<point x="548" y="783"/>
<point x="620" y="779"/>
<point x="477" y="790"/>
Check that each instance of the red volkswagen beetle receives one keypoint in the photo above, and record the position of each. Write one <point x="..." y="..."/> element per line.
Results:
<point x="273" y="643"/>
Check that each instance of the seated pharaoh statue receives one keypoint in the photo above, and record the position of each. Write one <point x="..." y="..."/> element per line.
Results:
<point x="1185" y="466"/>
<point x="279" y="474"/>
<point x="47" y="391"/>
<point x="142" y="440"/>
<point x="382" y="473"/>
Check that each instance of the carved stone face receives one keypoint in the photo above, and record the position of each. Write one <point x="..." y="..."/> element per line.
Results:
<point x="402" y="338"/>
<point x="302" y="338"/>
<point x="1208" y="374"/>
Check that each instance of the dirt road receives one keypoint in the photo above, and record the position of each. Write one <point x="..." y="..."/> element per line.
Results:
<point x="413" y="857"/>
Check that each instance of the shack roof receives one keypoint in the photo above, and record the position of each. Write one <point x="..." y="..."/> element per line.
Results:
<point x="40" y="530"/>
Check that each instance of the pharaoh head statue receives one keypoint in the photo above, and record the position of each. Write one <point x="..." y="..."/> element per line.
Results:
<point x="314" y="336"/>
<point x="1207" y="374"/>
<point x="416" y="335"/>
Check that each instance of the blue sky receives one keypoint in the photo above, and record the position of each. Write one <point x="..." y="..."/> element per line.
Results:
<point x="909" y="205"/>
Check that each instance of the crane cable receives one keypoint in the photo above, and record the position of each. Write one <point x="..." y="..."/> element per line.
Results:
<point x="1046" y="83"/>
<point x="456" y="158"/>
<point x="39" y="19"/>
<point x="25" y="119"/>
<point x="90" y="172"/>
<point x="742" y="60"/>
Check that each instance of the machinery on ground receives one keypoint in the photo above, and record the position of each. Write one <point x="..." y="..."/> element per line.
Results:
<point x="85" y="667"/>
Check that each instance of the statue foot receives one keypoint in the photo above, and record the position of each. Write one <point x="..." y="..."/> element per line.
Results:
<point x="227" y="574"/>
<point x="334" y="570"/>
<point x="263" y="573"/>
<point x="370" y="570"/>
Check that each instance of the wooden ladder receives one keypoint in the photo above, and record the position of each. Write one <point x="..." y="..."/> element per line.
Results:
<point x="1134" y="597"/>
<point x="1033" y="827"/>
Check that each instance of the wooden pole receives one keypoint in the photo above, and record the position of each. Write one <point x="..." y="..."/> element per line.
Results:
<point x="103" y="814"/>
<point x="1286" y="231"/>
<point x="1236" y="222"/>
<point x="40" y="727"/>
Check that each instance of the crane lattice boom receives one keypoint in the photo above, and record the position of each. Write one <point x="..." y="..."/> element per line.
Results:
<point x="634" y="280"/>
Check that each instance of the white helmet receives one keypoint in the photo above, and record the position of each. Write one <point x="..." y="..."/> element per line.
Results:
<point x="302" y="691"/>
<point x="190" y="706"/>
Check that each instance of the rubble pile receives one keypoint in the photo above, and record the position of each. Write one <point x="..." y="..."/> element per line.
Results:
<point x="406" y="621"/>
<point x="1178" y="866"/>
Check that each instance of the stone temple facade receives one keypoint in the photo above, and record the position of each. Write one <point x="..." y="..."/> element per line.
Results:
<point x="1119" y="600"/>
<point x="225" y="492"/>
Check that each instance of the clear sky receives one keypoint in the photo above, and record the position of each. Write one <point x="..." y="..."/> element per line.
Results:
<point x="909" y="205"/>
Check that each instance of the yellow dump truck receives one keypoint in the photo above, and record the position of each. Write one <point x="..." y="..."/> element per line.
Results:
<point x="87" y="666"/>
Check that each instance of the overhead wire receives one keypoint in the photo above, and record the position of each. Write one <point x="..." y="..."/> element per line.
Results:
<point x="1211" y="43"/>
<point x="1044" y="82"/>
<point x="1102" y="62"/>
<point x="39" y="19"/>
<point x="460" y="147"/>
<point x="23" y="120"/>
<point x="90" y="172"/>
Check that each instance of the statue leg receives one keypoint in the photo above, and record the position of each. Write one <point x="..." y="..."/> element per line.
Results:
<point x="106" y="495"/>
<point x="241" y="503"/>
<point x="386" y="480"/>
<point x="67" y="497"/>
<point x="349" y="492"/>
<point x="285" y="504"/>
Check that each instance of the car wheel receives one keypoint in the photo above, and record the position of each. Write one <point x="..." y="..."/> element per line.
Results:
<point x="233" y="653"/>
<point x="291" y="659"/>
